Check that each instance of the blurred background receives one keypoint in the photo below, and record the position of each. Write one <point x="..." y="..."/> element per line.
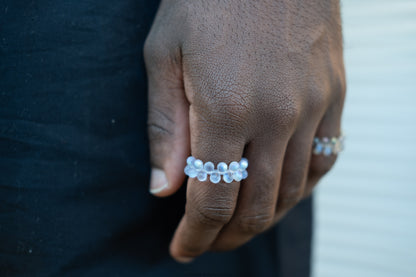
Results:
<point x="365" y="220"/>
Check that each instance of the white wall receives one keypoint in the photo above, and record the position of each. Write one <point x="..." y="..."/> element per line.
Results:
<point x="365" y="220"/>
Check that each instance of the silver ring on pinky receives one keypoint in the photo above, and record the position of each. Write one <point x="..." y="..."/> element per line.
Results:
<point x="235" y="171"/>
<point x="328" y="146"/>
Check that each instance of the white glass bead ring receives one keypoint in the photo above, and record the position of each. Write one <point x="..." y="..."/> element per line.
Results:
<point x="235" y="171"/>
<point x="328" y="146"/>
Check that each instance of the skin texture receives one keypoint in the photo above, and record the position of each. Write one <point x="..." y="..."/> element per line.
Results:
<point x="234" y="78"/>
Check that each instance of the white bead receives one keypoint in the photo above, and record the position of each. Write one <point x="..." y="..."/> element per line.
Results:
<point x="186" y="170"/>
<point x="327" y="150"/>
<point x="238" y="176"/>
<point x="244" y="174"/>
<point x="215" y="177"/>
<point x="202" y="176"/>
<point x="209" y="167"/>
<point x="228" y="177"/>
<point x="190" y="160"/>
<point x="192" y="172"/>
<point x="198" y="164"/>
<point x="318" y="148"/>
<point x="234" y="166"/>
<point x="243" y="163"/>
<point x="222" y="167"/>
<point x="337" y="147"/>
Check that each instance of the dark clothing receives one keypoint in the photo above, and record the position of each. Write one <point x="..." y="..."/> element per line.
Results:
<point x="74" y="168"/>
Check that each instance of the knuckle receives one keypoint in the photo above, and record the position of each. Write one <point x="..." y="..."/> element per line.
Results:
<point x="159" y="124"/>
<point x="212" y="216"/>
<point x="227" y="115"/>
<point x="235" y="105"/>
<point x="291" y="113"/>
<point x="268" y="172"/>
<point x="227" y="104"/>
<point x="285" y="110"/>
<point x="265" y="181"/>
<point x="157" y="133"/>
<point x="255" y="224"/>
<point x="288" y="201"/>
<point x="218" y="88"/>
<point x="289" y="198"/>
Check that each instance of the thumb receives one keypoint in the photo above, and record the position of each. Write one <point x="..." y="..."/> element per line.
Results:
<point x="168" y="123"/>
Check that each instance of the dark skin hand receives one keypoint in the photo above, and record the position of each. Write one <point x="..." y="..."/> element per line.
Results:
<point x="241" y="78"/>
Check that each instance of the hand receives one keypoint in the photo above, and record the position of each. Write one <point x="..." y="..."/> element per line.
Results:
<point x="234" y="78"/>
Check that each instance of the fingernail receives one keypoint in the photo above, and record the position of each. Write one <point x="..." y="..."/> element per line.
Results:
<point x="158" y="181"/>
<point x="184" y="260"/>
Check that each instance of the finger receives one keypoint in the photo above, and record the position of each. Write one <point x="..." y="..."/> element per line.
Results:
<point x="330" y="126"/>
<point x="209" y="206"/>
<point x="168" y="123"/>
<point x="258" y="193"/>
<point x="295" y="170"/>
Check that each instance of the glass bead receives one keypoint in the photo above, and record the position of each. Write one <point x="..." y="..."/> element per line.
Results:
<point x="190" y="160"/>
<point x="192" y="172"/>
<point x="244" y="174"/>
<point x="337" y="147"/>
<point x="186" y="170"/>
<point x="198" y="164"/>
<point x="318" y="148"/>
<point x="228" y="177"/>
<point x="209" y="167"/>
<point x="234" y="166"/>
<point x="202" y="176"/>
<point x="327" y="150"/>
<point x="243" y="163"/>
<point x="238" y="176"/>
<point x="222" y="167"/>
<point x="215" y="177"/>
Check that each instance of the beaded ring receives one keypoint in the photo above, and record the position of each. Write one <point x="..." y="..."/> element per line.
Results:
<point x="328" y="146"/>
<point x="235" y="171"/>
